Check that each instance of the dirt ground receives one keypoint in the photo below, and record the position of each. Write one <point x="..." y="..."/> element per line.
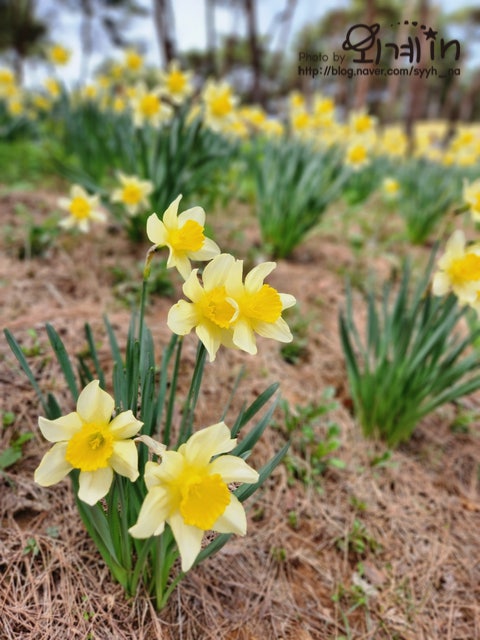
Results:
<point x="376" y="551"/>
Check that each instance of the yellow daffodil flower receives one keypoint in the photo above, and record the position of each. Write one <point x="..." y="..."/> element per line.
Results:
<point x="87" y="439"/>
<point x="149" y="108"/>
<point x="259" y="306"/>
<point x="189" y="491"/>
<point x="471" y="195"/>
<point x="82" y="209"/>
<point x="133" y="60"/>
<point x="356" y="156"/>
<point x="53" y="87"/>
<point x="390" y="188"/>
<point x="211" y="310"/>
<point x="458" y="270"/>
<point x="183" y="235"/>
<point x="59" y="55"/>
<point x="361" y="123"/>
<point x="227" y="311"/>
<point x="177" y="84"/>
<point x="219" y="104"/>
<point x="133" y="193"/>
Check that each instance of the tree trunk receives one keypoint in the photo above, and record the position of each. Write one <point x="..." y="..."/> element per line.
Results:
<point x="254" y="50"/>
<point x="363" y="84"/>
<point x="211" y="37"/>
<point x="165" y="27"/>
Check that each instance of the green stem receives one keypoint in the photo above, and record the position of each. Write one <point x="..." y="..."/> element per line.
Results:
<point x="140" y="564"/>
<point x="123" y="508"/>
<point x="192" y="397"/>
<point x="143" y="301"/>
<point x="164" y="560"/>
<point x="173" y="390"/>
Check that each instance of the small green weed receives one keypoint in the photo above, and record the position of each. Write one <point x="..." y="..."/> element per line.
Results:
<point x="13" y="452"/>
<point x="34" y="348"/>
<point x="358" y="540"/>
<point x="314" y="439"/>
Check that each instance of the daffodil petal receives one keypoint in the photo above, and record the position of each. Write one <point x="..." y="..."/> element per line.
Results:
<point x="209" y="442"/>
<point x="53" y="466"/>
<point x="156" y="231"/>
<point x="171" y="467"/>
<point x="170" y="219"/>
<point x="234" y="280"/>
<point x="188" y="539"/>
<point x="94" y="404"/>
<point x="243" y="337"/>
<point x="182" y="317"/>
<point x="278" y="330"/>
<point x="211" y="338"/>
<point x="233" y="519"/>
<point x="125" y="425"/>
<point x="195" y="213"/>
<point x="233" y="469"/>
<point x="124" y="459"/>
<point x="192" y="287"/>
<point x="94" y="485"/>
<point x="181" y="263"/>
<point x="287" y="300"/>
<point x="254" y="279"/>
<point x="60" y="429"/>
<point x="153" y="513"/>
<point x="209" y="250"/>
<point x="440" y="284"/>
<point x="215" y="273"/>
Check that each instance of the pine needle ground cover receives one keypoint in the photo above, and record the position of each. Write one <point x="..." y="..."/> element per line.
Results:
<point x="382" y="547"/>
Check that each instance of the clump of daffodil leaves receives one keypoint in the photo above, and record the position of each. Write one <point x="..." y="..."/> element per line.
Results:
<point x="145" y="499"/>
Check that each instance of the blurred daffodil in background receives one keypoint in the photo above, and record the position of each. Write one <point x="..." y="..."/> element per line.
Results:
<point x="82" y="209"/>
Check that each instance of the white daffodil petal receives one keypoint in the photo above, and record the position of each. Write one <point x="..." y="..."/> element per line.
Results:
<point x="124" y="459"/>
<point x="440" y="284"/>
<point x="181" y="263"/>
<point x="182" y="317"/>
<point x="94" y="404"/>
<point x="78" y="192"/>
<point x="156" y="231"/>
<point x="287" y="300"/>
<point x="209" y="442"/>
<point x="278" y="330"/>
<point x="233" y="469"/>
<point x="243" y="337"/>
<point x="234" y="280"/>
<point x="60" y="429"/>
<point x="53" y="466"/>
<point x="152" y="516"/>
<point x="233" y="519"/>
<point x="125" y="425"/>
<point x="215" y="273"/>
<point x="211" y="337"/>
<point x="170" y="469"/>
<point x="456" y="243"/>
<point x="188" y="539"/>
<point x="254" y="279"/>
<point x="192" y="287"/>
<point x="197" y="214"/>
<point x="170" y="219"/>
<point x="94" y="485"/>
<point x="209" y="250"/>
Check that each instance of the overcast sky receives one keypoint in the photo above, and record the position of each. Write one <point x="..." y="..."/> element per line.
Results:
<point x="189" y="27"/>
